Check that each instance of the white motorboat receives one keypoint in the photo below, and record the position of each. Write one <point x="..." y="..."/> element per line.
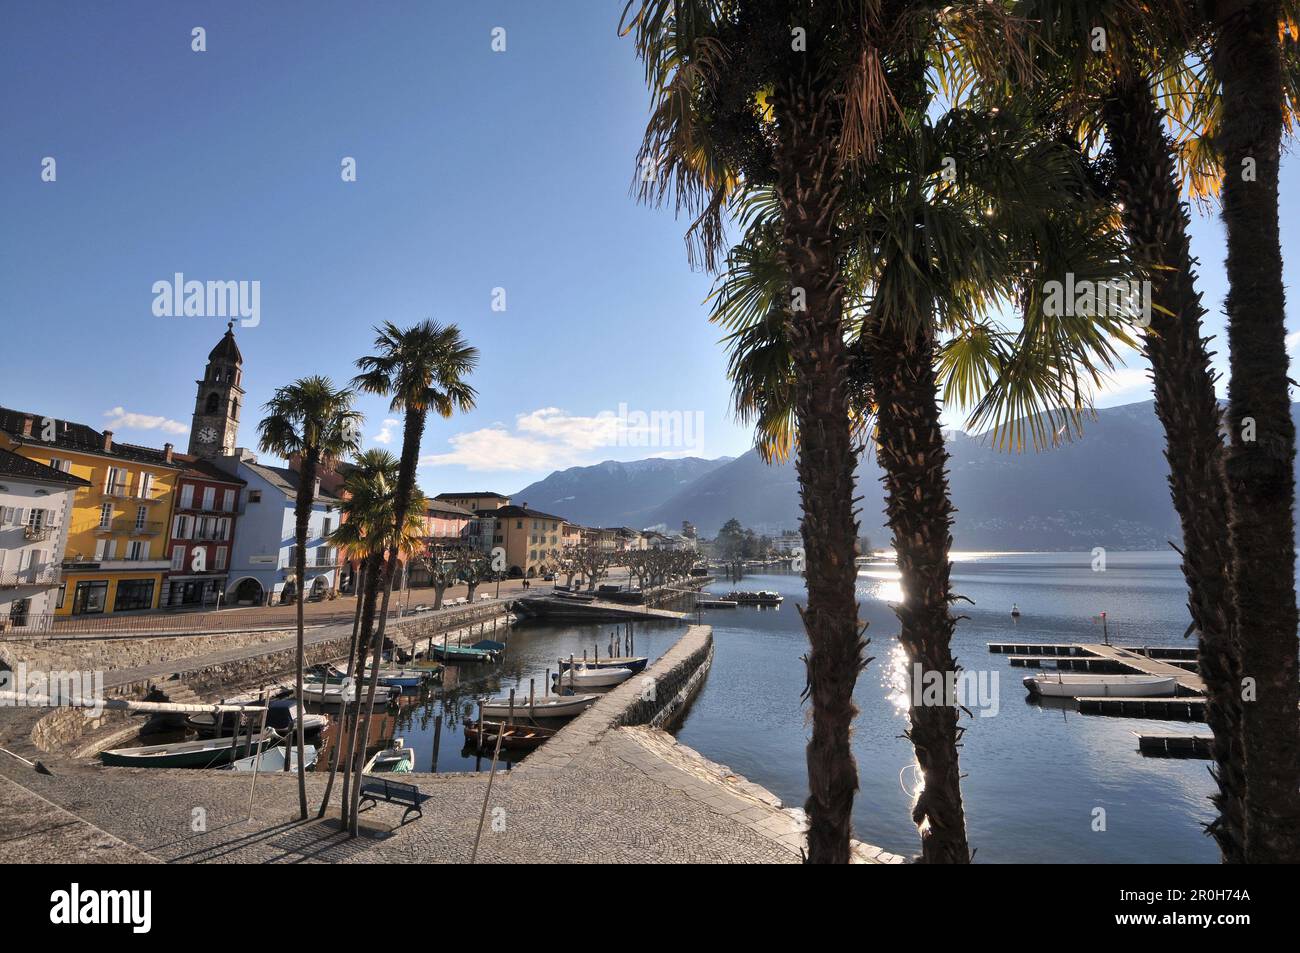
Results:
<point x="325" y="694"/>
<point x="580" y="676"/>
<point x="1101" y="686"/>
<point x="546" y="706"/>
<point x="398" y="759"/>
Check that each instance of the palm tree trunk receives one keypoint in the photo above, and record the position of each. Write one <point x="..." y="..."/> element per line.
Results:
<point x="343" y="716"/>
<point x="412" y="434"/>
<point x="1261" y="481"/>
<point x="368" y="706"/>
<point x="807" y="187"/>
<point x="911" y="451"/>
<point x="1186" y="405"/>
<point x="303" y="501"/>
<point x="373" y="571"/>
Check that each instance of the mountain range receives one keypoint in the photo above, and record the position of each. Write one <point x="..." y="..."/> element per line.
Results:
<point x="1107" y="488"/>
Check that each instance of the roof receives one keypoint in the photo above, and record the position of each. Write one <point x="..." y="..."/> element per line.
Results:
<point x="286" y="480"/>
<point x="437" y="505"/>
<point x="199" y="467"/>
<point x="14" y="466"/>
<point x="78" y="438"/>
<point x="450" y="496"/>
<point x="509" y="511"/>
<point x="227" y="350"/>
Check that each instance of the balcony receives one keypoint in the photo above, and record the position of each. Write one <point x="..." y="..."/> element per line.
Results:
<point x="129" y="526"/>
<point x="39" y="534"/>
<point x="41" y="576"/>
<point x="128" y="493"/>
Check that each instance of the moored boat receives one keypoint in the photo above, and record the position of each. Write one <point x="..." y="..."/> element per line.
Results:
<point x="636" y="663"/>
<point x="208" y="753"/>
<point x="1100" y="686"/>
<point x="513" y="737"/>
<point x="545" y="706"/>
<point x="716" y="603"/>
<point x="463" y="653"/>
<point x="325" y="694"/>
<point x="398" y="759"/>
<point x="272" y="759"/>
<point x="580" y="676"/>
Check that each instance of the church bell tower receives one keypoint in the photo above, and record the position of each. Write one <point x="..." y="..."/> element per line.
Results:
<point x="215" y="430"/>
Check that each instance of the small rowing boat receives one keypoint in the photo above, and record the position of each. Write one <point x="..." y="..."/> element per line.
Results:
<point x="325" y="694"/>
<point x="1100" y="686"/>
<point x="208" y="753"/>
<point x="272" y="759"/>
<point x="513" y="738"/>
<point x="463" y="653"/>
<point x="547" y="706"/>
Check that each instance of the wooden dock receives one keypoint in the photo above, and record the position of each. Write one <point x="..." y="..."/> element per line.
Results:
<point x="1174" y="708"/>
<point x="1176" y="746"/>
<point x="1145" y="665"/>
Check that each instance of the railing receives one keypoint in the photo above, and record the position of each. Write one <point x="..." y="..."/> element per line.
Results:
<point x="39" y="534"/>
<point x="45" y="576"/>
<point x="130" y="526"/>
<point x="180" y="620"/>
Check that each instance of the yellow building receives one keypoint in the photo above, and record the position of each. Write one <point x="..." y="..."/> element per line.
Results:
<point x="119" y="527"/>
<point x="530" y="539"/>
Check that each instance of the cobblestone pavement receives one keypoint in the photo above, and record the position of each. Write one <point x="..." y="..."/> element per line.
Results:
<point x="597" y="793"/>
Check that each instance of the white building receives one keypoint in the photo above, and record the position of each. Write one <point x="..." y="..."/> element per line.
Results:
<point x="35" y="501"/>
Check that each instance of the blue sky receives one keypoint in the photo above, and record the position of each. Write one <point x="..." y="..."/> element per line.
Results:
<point x="476" y="170"/>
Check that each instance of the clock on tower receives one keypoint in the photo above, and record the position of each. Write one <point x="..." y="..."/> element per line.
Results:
<point x="215" y="430"/>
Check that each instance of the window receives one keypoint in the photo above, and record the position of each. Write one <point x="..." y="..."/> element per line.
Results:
<point x="214" y="401"/>
<point x="255" y="496"/>
<point x="137" y="549"/>
<point x="221" y="557"/>
<point x="133" y="594"/>
<point x="223" y="528"/>
<point x="105" y="549"/>
<point x="228" y="500"/>
<point x="63" y="466"/>
<point x="63" y="594"/>
<point x="90" y="597"/>
<point x="37" y="519"/>
<point x="326" y="525"/>
<point x="116" y="480"/>
<point x="187" y="496"/>
<point x="141" y="516"/>
<point x="182" y="530"/>
<point x="146" y="485"/>
<point x="209" y="497"/>
<point x="105" y="514"/>
<point x="178" y="558"/>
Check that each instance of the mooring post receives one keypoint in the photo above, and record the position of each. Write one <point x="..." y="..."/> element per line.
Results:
<point x="548" y="682"/>
<point x="437" y="740"/>
<point x="510" y="718"/>
<point x="571" y="673"/>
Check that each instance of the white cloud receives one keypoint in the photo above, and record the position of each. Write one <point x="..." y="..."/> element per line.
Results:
<point x="120" y="417"/>
<point x="579" y="433"/>
<point x="1125" y="385"/>
<point x="385" y="435"/>
<point x="1292" y="342"/>
<point x="496" y="448"/>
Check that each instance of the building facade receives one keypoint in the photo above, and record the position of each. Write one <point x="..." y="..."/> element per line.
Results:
<point x="530" y="540"/>
<point x="475" y="502"/>
<point x="215" y="428"/>
<point x="203" y="521"/>
<point x="36" y="502"/>
<point x="262" y="563"/>
<point x="117" y="542"/>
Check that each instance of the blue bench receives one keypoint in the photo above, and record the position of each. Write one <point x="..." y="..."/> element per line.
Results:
<point x="375" y="789"/>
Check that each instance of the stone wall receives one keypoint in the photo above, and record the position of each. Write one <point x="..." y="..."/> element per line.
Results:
<point x="657" y="697"/>
<point x="107" y="654"/>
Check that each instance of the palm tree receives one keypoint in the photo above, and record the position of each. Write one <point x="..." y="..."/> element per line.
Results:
<point x="1247" y="62"/>
<point x="363" y="534"/>
<point x="927" y="259"/>
<point x="793" y="97"/>
<point x="312" y="420"/>
<point x="1153" y="101"/>
<point x="422" y="368"/>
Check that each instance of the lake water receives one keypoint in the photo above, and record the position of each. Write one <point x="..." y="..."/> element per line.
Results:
<point x="1034" y="777"/>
